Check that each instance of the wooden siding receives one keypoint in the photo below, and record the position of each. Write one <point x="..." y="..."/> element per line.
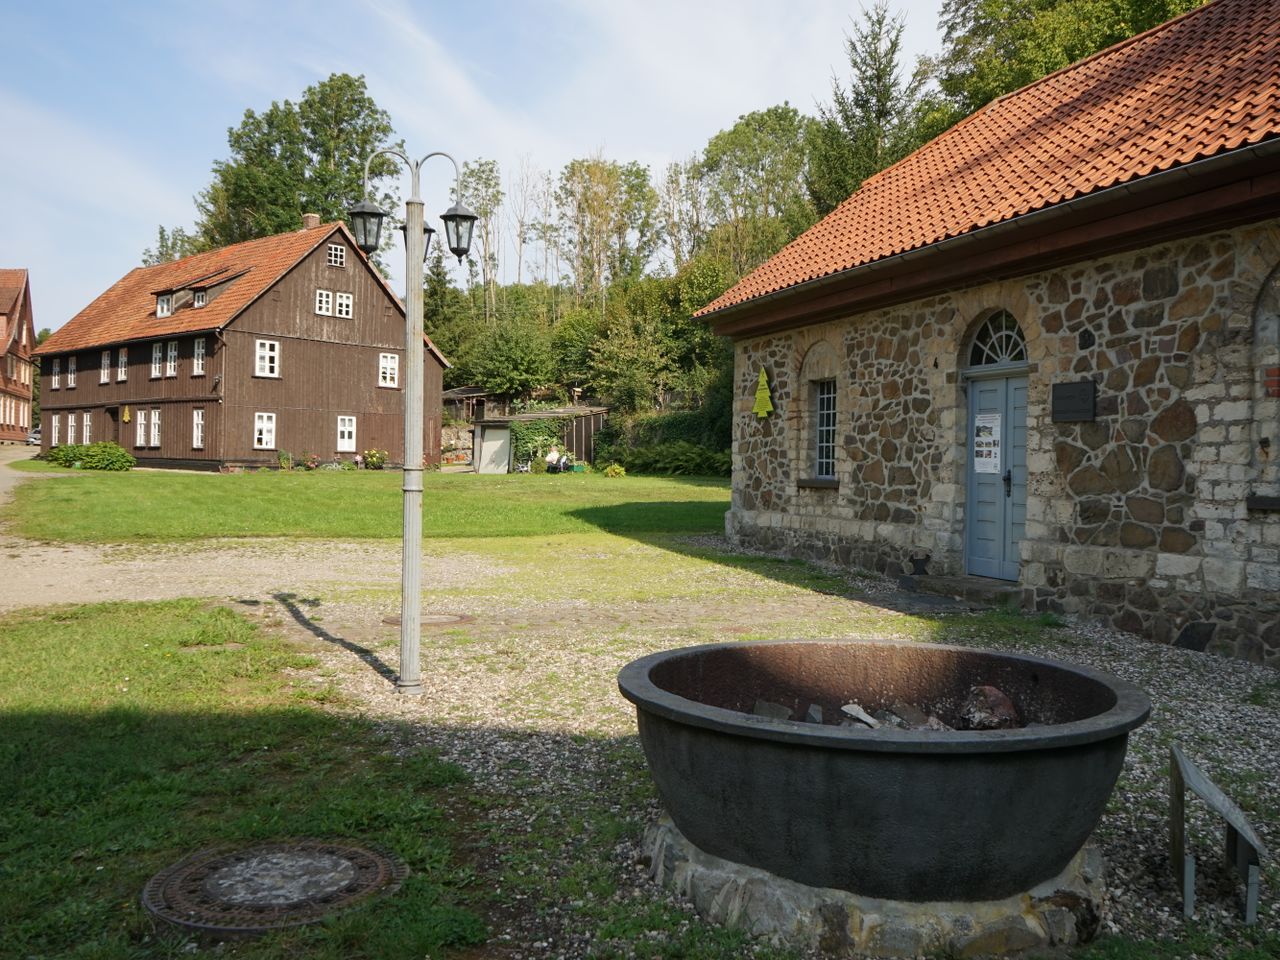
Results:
<point x="108" y="402"/>
<point x="16" y="391"/>
<point x="328" y="368"/>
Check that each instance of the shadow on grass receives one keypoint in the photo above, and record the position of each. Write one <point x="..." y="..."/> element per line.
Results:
<point x="293" y="604"/>
<point x="98" y="801"/>
<point x="938" y="618"/>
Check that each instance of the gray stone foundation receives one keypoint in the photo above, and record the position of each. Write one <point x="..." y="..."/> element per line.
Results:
<point x="1063" y="911"/>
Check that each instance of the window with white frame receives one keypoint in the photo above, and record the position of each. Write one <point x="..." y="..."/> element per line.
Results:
<point x="104" y="374"/>
<point x="140" y="440"/>
<point x="155" y="427"/>
<point x="197" y="357"/>
<point x="346" y="434"/>
<point x="343" y="304"/>
<point x="55" y="423"/>
<point x="264" y="431"/>
<point x="157" y="358"/>
<point x="268" y="363"/>
<point x="324" y="302"/>
<point x="122" y="363"/>
<point x="197" y="428"/>
<point x="86" y="420"/>
<point x="71" y="372"/>
<point x="825" y="432"/>
<point x="171" y="359"/>
<point x="388" y="370"/>
<point x="199" y="298"/>
<point x="55" y="374"/>
<point x="164" y="304"/>
<point x="71" y="429"/>
<point x="337" y="255"/>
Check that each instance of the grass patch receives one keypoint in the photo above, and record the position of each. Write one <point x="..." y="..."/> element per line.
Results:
<point x="158" y="506"/>
<point x="136" y="733"/>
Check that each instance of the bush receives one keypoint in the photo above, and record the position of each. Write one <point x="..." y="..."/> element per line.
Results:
<point x="103" y="455"/>
<point x="680" y="458"/>
<point x="106" y="456"/>
<point x="285" y="459"/>
<point x="375" y="459"/>
<point x="310" y="461"/>
<point x="615" y="470"/>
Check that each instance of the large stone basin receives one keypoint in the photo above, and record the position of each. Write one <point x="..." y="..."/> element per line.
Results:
<point x="916" y="815"/>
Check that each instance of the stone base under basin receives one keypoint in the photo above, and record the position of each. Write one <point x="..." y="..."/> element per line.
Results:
<point x="1060" y="912"/>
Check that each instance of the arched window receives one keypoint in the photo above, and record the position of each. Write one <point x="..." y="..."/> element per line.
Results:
<point x="998" y="340"/>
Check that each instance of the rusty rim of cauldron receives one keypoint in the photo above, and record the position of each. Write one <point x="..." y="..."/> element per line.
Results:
<point x="1131" y="709"/>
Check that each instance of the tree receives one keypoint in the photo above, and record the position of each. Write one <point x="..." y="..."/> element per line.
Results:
<point x="609" y="212"/>
<point x="293" y="159"/>
<point x="170" y="245"/>
<point x="447" y="321"/>
<point x="482" y="192"/>
<point x="41" y="337"/>
<point x="754" y="176"/>
<point x="992" y="47"/>
<point x="516" y="360"/>
<point x="873" y="123"/>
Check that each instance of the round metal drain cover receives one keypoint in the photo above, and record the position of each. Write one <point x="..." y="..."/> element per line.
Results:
<point x="269" y="886"/>
<point x="431" y="619"/>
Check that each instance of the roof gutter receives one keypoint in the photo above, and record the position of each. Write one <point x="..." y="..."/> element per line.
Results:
<point x="1196" y="168"/>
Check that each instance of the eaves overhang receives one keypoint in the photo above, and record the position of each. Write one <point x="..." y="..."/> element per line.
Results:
<point x="1225" y="190"/>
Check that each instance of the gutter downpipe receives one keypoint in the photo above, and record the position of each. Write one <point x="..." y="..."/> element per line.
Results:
<point x="1196" y="168"/>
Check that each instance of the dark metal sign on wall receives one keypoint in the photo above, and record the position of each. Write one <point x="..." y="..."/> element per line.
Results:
<point x="1074" y="402"/>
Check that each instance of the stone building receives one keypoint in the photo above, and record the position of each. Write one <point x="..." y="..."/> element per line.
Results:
<point x="1045" y="348"/>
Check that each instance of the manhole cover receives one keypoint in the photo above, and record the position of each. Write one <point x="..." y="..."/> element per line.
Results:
<point x="269" y="886"/>
<point x="431" y="619"/>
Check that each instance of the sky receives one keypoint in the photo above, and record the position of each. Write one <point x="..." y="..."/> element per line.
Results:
<point x="113" y="113"/>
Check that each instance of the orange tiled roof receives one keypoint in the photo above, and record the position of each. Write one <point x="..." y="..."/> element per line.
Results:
<point x="12" y="283"/>
<point x="127" y="310"/>
<point x="1202" y="84"/>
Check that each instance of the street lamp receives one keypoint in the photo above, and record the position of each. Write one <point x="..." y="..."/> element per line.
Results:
<point x="366" y="224"/>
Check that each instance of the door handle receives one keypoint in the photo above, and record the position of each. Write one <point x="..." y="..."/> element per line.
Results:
<point x="1008" y="482"/>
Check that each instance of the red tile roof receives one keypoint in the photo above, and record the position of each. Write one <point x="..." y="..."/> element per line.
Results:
<point x="127" y="310"/>
<point x="12" y="283"/>
<point x="1202" y="84"/>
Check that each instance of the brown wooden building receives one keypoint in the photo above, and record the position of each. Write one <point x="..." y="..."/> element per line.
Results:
<point x="17" y="341"/>
<point x="232" y="357"/>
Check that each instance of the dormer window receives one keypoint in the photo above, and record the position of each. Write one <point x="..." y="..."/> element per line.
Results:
<point x="198" y="299"/>
<point x="164" y="304"/>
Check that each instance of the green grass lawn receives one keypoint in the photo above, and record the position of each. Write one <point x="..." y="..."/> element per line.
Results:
<point x="137" y="507"/>
<point x="134" y="734"/>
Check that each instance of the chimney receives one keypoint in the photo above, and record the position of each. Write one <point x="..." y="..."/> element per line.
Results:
<point x="310" y="221"/>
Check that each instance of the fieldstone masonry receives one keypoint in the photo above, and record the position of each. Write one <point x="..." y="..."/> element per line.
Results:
<point x="1140" y="518"/>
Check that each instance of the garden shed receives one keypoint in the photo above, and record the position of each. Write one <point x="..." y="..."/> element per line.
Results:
<point x="496" y="440"/>
<point x="1044" y="349"/>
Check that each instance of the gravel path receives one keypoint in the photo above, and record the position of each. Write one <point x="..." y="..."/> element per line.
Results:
<point x="526" y="693"/>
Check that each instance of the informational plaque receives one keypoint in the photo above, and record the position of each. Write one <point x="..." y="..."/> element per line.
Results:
<point x="986" y="443"/>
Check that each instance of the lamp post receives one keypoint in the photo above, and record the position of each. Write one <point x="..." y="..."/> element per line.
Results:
<point x="366" y="223"/>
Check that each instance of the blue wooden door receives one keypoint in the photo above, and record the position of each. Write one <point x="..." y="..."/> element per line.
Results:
<point x="997" y="486"/>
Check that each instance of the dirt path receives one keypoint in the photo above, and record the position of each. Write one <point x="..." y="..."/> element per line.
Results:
<point x="35" y="574"/>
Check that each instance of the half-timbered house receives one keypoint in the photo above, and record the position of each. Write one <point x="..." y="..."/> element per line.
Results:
<point x="291" y="343"/>
<point x="17" y="341"/>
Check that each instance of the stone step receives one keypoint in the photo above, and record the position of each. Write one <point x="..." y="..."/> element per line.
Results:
<point x="981" y="590"/>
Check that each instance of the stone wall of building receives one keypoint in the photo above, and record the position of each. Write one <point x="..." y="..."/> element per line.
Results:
<point x="1138" y="518"/>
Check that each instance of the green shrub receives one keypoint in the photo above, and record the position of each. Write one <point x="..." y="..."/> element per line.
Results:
<point x="103" y="455"/>
<point x="106" y="455"/>
<point x="615" y="470"/>
<point x="680" y="458"/>
<point x="285" y="459"/>
<point x="375" y="459"/>
<point x="66" y="454"/>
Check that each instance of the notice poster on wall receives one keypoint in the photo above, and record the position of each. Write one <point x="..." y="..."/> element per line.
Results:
<point x="986" y="443"/>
